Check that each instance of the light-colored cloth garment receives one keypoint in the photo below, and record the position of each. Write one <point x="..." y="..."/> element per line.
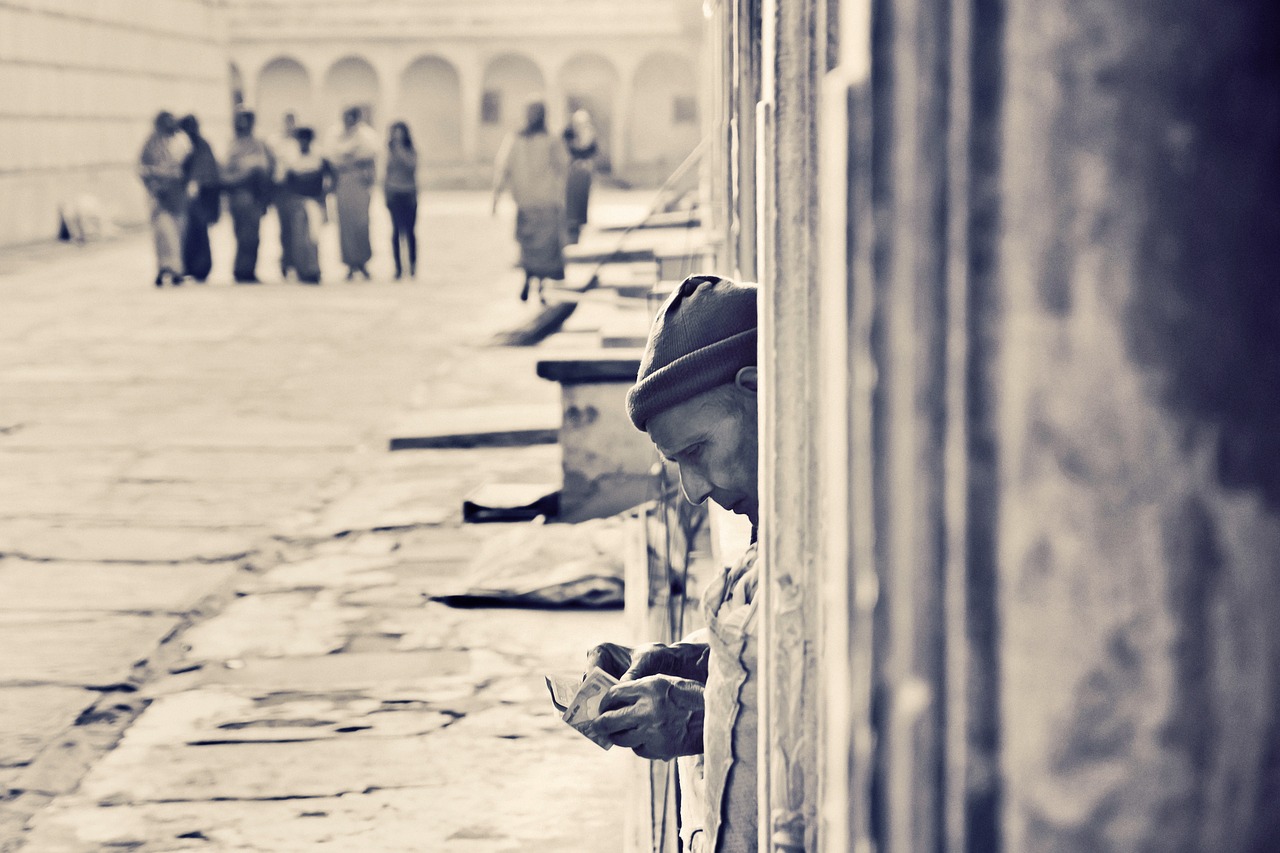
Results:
<point x="160" y="168"/>
<point x="354" y="155"/>
<point x="249" y="166"/>
<point x="540" y="233"/>
<point x="730" y="731"/>
<point x="533" y="168"/>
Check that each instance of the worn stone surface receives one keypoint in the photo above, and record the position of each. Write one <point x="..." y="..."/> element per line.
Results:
<point x="227" y="445"/>
<point x="30" y="717"/>
<point x="76" y="647"/>
<point x="107" y="586"/>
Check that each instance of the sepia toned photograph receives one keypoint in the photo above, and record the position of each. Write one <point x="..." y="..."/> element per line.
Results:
<point x="664" y="426"/>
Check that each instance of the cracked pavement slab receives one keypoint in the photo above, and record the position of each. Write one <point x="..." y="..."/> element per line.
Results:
<point x="213" y="534"/>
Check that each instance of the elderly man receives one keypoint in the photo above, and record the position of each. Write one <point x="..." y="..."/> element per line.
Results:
<point x="696" y="398"/>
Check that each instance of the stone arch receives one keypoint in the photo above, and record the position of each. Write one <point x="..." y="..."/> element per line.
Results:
<point x="430" y="102"/>
<point x="590" y="81"/>
<point x="350" y="82"/>
<point x="283" y="86"/>
<point x="510" y="79"/>
<point x="663" y="120"/>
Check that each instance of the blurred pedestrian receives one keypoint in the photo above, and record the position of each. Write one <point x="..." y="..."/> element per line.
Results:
<point x="580" y="140"/>
<point x="354" y="157"/>
<point x="247" y="179"/>
<point x="307" y="179"/>
<point x="282" y="147"/>
<point x="400" y="187"/>
<point x="204" y="204"/>
<point x="160" y="167"/>
<point x="532" y="165"/>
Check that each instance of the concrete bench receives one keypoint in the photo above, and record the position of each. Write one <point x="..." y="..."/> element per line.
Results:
<point x="606" y="461"/>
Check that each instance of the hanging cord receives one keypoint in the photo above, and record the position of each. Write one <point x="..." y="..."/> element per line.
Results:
<point x="689" y="162"/>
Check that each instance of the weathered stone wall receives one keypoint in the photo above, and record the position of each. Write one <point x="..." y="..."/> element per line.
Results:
<point x="81" y="83"/>
<point x="1138" y="422"/>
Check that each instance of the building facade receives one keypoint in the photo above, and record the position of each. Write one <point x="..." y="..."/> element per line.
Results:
<point x="80" y="83"/>
<point x="460" y="71"/>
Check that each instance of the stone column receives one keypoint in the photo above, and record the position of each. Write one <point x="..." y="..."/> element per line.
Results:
<point x="470" y="74"/>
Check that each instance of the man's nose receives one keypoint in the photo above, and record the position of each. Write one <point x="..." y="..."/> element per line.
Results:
<point x="696" y="487"/>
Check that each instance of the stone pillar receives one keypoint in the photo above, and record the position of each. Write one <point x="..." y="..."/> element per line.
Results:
<point x="791" y="547"/>
<point x="470" y="81"/>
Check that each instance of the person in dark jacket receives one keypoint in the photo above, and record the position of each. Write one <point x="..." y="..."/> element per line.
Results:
<point x="580" y="140"/>
<point x="301" y="199"/>
<point x="204" y="188"/>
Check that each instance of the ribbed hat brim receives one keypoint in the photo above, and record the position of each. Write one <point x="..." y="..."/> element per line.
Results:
<point x="690" y="375"/>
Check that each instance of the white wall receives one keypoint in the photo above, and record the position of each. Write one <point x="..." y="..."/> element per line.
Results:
<point x="80" y="81"/>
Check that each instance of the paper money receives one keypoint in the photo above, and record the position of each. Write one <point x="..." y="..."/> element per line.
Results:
<point x="563" y="688"/>
<point x="583" y="701"/>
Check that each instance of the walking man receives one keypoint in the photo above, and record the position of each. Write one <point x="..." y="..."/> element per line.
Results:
<point x="247" y="178"/>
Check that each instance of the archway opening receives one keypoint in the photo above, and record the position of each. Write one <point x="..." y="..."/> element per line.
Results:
<point x="510" y="80"/>
<point x="430" y="102"/>
<point x="663" y="120"/>
<point x="351" y="82"/>
<point x="590" y="82"/>
<point x="284" y="86"/>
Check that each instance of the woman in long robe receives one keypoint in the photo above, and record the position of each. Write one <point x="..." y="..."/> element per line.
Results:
<point x="532" y="165"/>
<point x="354" y="155"/>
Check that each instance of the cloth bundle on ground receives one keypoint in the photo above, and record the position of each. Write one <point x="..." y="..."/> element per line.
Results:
<point x="539" y="565"/>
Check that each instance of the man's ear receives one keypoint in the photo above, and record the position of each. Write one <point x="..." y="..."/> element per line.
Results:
<point x="748" y="379"/>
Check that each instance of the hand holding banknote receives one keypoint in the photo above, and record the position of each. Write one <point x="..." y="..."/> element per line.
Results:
<point x="658" y="716"/>
<point x="580" y="701"/>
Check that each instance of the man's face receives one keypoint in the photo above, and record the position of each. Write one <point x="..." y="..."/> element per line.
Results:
<point x="713" y="438"/>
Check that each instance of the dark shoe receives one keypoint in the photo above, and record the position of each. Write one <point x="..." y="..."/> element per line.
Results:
<point x="399" y="275"/>
<point x="200" y="279"/>
<point x="524" y="292"/>
<point x="364" y="272"/>
<point x="351" y="273"/>
<point x="160" y="279"/>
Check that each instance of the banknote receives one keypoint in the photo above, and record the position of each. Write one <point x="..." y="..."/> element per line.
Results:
<point x="581" y="710"/>
<point x="563" y="688"/>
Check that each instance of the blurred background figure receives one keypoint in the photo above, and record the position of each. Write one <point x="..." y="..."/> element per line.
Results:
<point x="354" y="157"/>
<point x="401" y="191"/>
<point x="307" y="178"/>
<point x="247" y="178"/>
<point x="282" y="148"/>
<point x="532" y="165"/>
<point x="160" y="167"/>
<point x="580" y="140"/>
<point x="204" y="204"/>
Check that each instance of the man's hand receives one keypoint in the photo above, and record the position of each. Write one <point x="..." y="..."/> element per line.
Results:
<point x="683" y="660"/>
<point x="658" y="716"/>
<point x="611" y="657"/>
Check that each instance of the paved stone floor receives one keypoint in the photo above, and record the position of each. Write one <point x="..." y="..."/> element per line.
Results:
<point x="213" y="632"/>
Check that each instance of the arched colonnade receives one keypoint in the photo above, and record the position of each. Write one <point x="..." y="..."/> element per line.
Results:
<point x="459" y="108"/>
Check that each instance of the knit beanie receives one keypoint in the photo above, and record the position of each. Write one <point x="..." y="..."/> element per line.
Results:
<point x="703" y="335"/>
